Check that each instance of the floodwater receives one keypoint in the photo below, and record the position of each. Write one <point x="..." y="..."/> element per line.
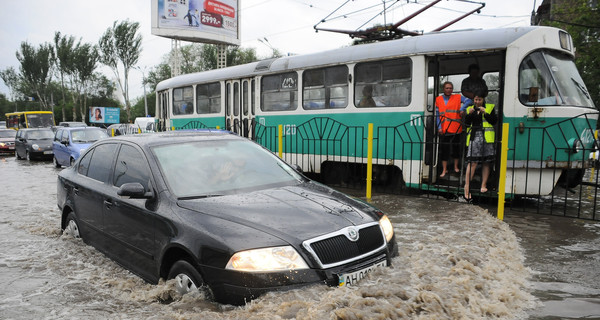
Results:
<point x="456" y="262"/>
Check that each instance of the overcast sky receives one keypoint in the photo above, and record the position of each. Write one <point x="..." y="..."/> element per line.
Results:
<point x="287" y="25"/>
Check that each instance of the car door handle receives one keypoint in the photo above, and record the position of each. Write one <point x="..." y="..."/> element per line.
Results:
<point x="108" y="203"/>
<point x="76" y="190"/>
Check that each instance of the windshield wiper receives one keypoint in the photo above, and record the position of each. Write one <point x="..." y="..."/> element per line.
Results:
<point x="200" y="196"/>
<point x="582" y="88"/>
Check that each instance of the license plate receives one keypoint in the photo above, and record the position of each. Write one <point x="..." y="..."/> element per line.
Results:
<point x="352" y="278"/>
<point x="48" y="152"/>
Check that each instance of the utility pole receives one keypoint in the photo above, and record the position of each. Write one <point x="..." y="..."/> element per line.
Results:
<point x="145" y="95"/>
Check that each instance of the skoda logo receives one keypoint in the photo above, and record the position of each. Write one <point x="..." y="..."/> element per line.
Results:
<point x="352" y="234"/>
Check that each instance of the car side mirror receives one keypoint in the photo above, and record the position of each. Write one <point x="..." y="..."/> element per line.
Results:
<point x="133" y="190"/>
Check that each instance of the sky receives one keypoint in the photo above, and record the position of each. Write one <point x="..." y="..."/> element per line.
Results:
<point x="286" y="25"/>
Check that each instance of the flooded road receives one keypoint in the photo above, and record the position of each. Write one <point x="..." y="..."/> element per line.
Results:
<point x="456" y="262"/>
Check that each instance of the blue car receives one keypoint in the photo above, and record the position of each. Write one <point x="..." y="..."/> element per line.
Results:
<point x="70" y="142"/>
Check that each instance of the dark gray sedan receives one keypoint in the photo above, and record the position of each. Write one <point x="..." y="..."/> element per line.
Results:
<point x="34" y="144"/>
<point x="219" y="213"/>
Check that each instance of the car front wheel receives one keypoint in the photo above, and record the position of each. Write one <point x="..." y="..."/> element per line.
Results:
<point x="56" y="164"/>
<point x="27" y="155"/>
<point x="72" y="228"/>
<point x="187" y="278"/>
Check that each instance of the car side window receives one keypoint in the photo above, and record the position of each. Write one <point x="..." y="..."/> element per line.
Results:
<point x="84" y="163"/>
<point x="57" y="135"/>
<point x="65" y="136"/>
<point x="131" y="166"/>
<point x="101" y="161"/>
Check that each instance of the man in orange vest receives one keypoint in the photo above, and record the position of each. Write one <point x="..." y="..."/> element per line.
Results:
<point x="449" y="123"/>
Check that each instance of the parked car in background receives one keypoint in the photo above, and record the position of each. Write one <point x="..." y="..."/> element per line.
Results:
<point x="34" y="143"/>
<point x="7" y="140"/>
<point x="72" y="124"/>
<point x="2" y="124"/>
<point x="218" y="213"/>
<point x="119" y="129"/>
<point x="70" y="142"/>
<point x="145" y="124"/>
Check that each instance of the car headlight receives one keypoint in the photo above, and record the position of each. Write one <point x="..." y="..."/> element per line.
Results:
<point x="387" y="227"/>
<point x="35" y="147"/>
<point x="267" y="259"/>
<point x="2" y="144"/>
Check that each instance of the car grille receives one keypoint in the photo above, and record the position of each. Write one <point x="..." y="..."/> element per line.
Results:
<point x="336" y="248"/>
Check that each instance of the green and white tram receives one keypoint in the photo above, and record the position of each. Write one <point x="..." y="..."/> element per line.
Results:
<point x="530" y="73"/>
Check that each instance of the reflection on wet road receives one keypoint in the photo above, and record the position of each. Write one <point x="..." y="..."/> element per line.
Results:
<point x="456" y="261"/>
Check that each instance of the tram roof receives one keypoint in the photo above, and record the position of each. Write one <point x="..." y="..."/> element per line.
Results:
<point x="435" y="42"/>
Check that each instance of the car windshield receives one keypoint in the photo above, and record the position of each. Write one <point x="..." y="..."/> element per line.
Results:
<point x="40" y="135"/>
<point x="88" y="135"/>
<point x="8" y="133"/>
<point x="216" y="167"/>
<point x="40" y="120"/>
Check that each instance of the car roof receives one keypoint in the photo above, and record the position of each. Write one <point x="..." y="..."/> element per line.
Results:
<point x="158" y="138"/>
<point x="79" y="128"/>
<point x="35" y="129"/>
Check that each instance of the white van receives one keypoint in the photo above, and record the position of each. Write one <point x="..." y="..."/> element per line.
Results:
<point x="145" y="124"/>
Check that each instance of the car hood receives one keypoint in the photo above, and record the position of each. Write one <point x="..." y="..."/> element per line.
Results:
<point x="293" y="213"/>
<point x="44" y="143"/>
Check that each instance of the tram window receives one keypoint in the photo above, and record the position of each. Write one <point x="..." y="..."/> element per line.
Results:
<point x="325" y="88"/>
<point x="227" y="100"/>
<point x="383" y="83"/>
<point x="279" y="92"/>
<point x="236" y="99"/>
<point x="183" y="100"/>
<point x="208" y="98"/>
<point x="245" y="98"/>
<point x="551" y="78"/>
<point x="252" y="98"/>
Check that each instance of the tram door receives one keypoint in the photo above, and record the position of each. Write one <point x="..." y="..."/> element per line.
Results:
<point x="240" y="106"/>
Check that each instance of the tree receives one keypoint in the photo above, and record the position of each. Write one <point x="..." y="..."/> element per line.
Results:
<point x="197" y="58"/>
<point x="580" y="19"/>
<point x="63" y="47"/>
<point x="12" y="81"/>
<point x="120" y="48"/>
<point x="85" y="61"/>
<point x="35" y="69"/>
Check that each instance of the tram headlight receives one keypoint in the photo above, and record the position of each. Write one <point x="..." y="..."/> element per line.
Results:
<point x="575" y="145"/>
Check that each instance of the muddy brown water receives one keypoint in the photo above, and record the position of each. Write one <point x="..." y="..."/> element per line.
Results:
<point x="456" y="262"/>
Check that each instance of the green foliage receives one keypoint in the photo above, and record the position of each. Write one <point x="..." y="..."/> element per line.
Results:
<point x="35" y="70"/>
<point x="120" y="47"/>
<point x="579" y="19"/>
<point x="138" y="109"/>
<point x="197" y="58"/>
<point x="5" y="107"/>
<point x="12" y="80"/>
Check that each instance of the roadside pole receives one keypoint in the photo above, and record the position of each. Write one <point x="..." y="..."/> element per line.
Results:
<point x="369" y="161"/>
<point x="503" y="163"/>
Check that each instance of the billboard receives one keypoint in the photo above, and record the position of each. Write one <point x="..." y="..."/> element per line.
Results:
<point x="104" y="115"/>
<point x="208" y="21"/>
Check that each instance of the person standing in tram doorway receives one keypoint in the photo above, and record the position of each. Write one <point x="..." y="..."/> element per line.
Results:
<point x="473" y="83"/>
<point x="449" y="126"/>
<point x="479" y="122"/>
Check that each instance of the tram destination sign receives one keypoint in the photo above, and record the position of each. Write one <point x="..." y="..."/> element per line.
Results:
<point x="207" y="21"/>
